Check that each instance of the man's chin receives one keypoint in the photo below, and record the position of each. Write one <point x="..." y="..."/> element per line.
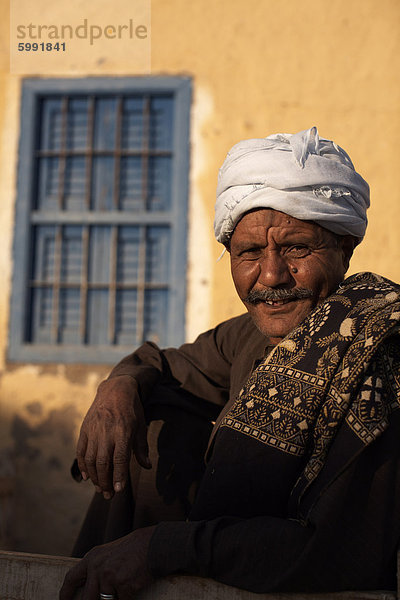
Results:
<point x="276" y="322"/>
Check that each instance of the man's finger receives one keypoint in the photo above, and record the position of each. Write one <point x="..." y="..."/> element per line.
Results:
<point x="90" y="461"/>
<point x="106" y="579"/>
<point x="74" y="579"/>
<point x="121" y="459"/>
<point x="80" y="454"/>
<point x="104" y="467"/>
<point x="125" y="592"/>
<point x="92" y="589"/>
<point x="141" y="447"/>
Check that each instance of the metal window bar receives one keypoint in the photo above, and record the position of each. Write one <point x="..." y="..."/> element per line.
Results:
<point x="145" y="149"/>
<point x="89" y="151"/>
<point x="84" y="286"/>
<point x="94" y="152"/>
<point x="141" y="284"/>
<point x="117" y="153"/>
<point x="114" y="231"/>
<point x="141" y="287"/>
<point x="83" y="311"/>
<point x="56" y="285"/>
<point x="112" y="285"/>
<point x="62" y="154"/>
<point x="38" y="283"/>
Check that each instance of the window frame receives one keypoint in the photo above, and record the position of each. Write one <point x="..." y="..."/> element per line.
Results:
<point x="33" y="89"/>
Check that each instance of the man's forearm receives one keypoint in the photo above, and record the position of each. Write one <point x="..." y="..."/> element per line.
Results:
<point x="267" y="554"/>
<point x="201" y="368"/>
<point x="254" y="554"/>
<point x="145" y="365"/>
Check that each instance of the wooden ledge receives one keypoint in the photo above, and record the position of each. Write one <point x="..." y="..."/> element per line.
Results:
<point x="39" y="577"/>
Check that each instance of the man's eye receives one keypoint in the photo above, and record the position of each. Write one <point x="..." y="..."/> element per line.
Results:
<point x="250" y="252"/>
<point x="298" y="251"/>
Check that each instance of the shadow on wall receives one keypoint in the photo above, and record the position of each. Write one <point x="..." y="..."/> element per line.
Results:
<point x="41" y="507"/>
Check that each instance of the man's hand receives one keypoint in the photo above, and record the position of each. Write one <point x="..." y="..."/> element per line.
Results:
<point x="119" y="568"/>
<point x="113" y="427"/>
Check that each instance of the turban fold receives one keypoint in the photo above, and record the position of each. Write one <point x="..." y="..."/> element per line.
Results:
<point x="300" y="174"/>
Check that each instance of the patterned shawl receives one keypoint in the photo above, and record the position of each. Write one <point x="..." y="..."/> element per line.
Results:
<point x="339" y="369"/>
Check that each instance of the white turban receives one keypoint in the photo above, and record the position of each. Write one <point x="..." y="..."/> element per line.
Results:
<point x="300" y="174"/>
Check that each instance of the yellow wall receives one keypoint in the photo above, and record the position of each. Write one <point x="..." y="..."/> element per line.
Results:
<point x="258" y="67"/>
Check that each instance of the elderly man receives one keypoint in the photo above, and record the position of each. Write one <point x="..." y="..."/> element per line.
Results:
<point x="302" y="485"/>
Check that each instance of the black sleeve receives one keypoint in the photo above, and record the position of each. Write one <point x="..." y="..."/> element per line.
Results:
<point x="348" y="542"/>
<point x="201" y="368"/>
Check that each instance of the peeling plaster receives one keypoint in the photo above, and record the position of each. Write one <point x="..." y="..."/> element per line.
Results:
<point x="199" y="247"/>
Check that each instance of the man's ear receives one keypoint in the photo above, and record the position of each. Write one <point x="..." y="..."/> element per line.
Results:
<point x="348" y="243"/>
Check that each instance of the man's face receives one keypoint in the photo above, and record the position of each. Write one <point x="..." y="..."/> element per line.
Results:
<point x="295" y="264"/>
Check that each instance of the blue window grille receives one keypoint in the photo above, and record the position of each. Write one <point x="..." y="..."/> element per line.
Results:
<point x="101" y="218"/>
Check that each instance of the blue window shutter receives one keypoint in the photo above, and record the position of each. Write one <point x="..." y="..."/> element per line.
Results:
<point x="101" y="218"/>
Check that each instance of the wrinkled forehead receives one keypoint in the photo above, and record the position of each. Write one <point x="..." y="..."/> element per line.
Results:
<point x="258" y="222"/>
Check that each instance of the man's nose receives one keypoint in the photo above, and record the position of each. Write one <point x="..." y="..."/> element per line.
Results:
<point x="274" y="270"/>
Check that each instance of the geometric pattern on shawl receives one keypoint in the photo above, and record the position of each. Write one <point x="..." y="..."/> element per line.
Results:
<point x="340" y="366"/>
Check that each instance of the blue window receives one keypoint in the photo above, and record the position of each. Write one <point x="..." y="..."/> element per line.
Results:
<point x="101" y="218"/>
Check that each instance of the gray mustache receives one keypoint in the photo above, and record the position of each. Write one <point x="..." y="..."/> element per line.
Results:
<point x="280" y="294"/>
